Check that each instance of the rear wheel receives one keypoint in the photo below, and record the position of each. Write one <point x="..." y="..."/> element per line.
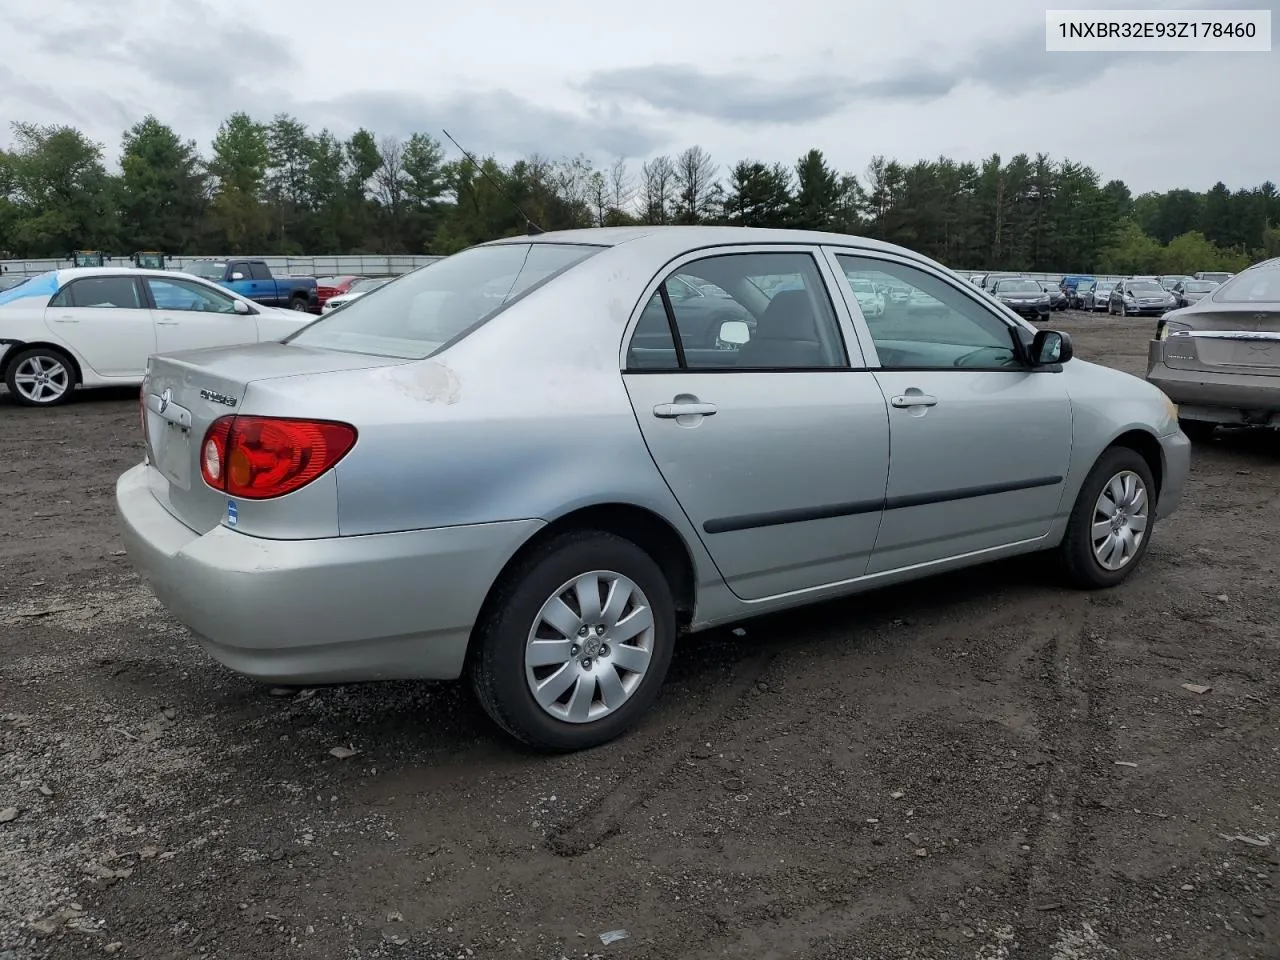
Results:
<point x="41" y="377"/>
<point x="1198" y="430"/>
<point x="1110" y="525"/>
<point x="575" y="643"/>
<point x="298" y="303"/>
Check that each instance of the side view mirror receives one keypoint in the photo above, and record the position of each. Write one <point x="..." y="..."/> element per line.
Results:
<point x="1050" y="347"/>
<point x="734" y="332"/>
<point x="242" y="308"/>
<point x="237" y="275"/>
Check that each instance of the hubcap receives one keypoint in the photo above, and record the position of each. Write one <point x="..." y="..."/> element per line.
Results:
<point x="1120" y="520"/>
<point x="41" y="379"/>
<point x="590" y="647"/>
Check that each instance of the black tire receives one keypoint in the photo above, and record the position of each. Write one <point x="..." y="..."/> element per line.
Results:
<point x="1076" y="551"/>
<point x="299" y="303"/>
<point x="1198" y="431"/>
<point x="497" y="665"/>
<point x="48" y="354"/>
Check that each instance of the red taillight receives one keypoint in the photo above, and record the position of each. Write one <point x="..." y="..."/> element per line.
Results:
<point x="256" y="458"/>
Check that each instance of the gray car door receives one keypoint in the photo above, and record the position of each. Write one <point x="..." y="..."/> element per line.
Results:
<point x="979" y="443"/>
<point x="777" y="447"/>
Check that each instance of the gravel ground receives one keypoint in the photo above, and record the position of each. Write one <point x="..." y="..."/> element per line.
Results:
<point x="989" y="766"/>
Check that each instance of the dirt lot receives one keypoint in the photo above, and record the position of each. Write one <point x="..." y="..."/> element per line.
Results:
<point x="983" y="766"/>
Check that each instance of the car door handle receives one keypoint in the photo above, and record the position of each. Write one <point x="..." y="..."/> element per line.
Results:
<point x="166" y="323"/>
<point x="914" y="400"/>
<point x="669" y="411"/>
<point x="66" y="320"/>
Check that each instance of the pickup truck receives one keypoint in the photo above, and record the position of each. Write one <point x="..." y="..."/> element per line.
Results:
<point x="253" y="279"/>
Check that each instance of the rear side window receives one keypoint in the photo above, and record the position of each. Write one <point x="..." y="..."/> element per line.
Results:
<point x="105" y="292"/>
<point x="430" y="308"/>
<point x="1252" y="286"/>
<point x="259" y="271"/>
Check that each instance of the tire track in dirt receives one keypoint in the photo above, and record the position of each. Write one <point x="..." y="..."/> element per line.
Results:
<point x="1054" y="859"/>
<point x="655" y="765"/>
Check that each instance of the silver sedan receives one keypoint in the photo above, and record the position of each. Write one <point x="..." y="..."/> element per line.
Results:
<point x="524" y="466"/>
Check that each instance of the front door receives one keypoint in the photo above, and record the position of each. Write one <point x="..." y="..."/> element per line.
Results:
<point x="979" y="443"/>
<point x="190" y="315"/>
<point x="106" y="321"/>
<point x="776" y="448"/>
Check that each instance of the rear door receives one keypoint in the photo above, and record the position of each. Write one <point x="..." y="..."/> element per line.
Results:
<point x="190" y="315"/>
<point x="105" y="319"/>
<point x="979" y="443"/>
<point x="776" y="448"/>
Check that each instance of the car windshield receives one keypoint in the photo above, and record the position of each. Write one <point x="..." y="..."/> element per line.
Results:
<point x="1104" y="287"/>
<point x="1085" y="285"/>
<point x="207" y="269"/>
<point x="1252" y="286"/>
<point x="1018" y="286"/>
<point x="1146" y="289"/>
<point x="434" y="305"/>
<point x="1197" y="286"/>
<point x="365" y="284"/>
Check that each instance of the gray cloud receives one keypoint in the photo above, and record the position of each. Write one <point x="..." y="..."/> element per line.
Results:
<point x="488" y="121"/>
<point x="1011" y="64"/>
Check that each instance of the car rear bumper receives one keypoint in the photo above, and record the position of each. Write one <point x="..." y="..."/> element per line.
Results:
<point x="1217" y="397"/>
<point x="336" y="610"/>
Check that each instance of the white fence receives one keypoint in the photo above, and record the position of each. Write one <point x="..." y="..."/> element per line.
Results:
<point x="360" y="265"/>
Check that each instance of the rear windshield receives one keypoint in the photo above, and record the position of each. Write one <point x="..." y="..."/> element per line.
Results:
<point x="434" y="305"/>
<point x="1252" y="286"/>
<point x="1198" y="286"/>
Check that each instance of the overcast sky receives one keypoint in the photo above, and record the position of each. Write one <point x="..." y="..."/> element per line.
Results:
<point x="909" y="79"/>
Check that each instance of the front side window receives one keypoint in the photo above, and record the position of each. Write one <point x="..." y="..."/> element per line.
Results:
<point x="183" y="295"/>
<point x="99" y="292"/>
<point x="936" y="326"/>
<point x="429" y="308"/>
<point x="775" y="315"/>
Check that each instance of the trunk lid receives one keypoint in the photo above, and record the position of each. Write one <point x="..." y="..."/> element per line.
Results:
<point x="185" y="392"/>
<point x="1246" y="341"/>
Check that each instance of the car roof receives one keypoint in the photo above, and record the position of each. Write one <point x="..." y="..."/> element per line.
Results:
<point x="679" y="238"/>
<point x="65" y="275"/>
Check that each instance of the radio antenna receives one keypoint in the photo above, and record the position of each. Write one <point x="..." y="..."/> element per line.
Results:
<point x="533" y="227"/>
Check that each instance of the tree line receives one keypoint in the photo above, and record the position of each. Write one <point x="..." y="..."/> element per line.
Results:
<point x="281" y="188"/>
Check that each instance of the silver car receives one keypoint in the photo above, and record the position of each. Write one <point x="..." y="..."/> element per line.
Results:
<point x="542" y="489"/>
<point x="1219" y="357"/>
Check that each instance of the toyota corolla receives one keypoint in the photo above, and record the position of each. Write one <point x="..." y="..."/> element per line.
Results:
<point x="518" y="466"/>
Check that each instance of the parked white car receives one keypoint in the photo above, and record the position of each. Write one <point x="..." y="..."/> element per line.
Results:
<point x="357" y="290"/>
<point x="870" y="298"/>
<point x="96" y="327"/>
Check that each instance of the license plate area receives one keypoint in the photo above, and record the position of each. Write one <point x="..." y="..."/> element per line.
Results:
<point x="173" y="453"/>
<point x="169" y="430"/>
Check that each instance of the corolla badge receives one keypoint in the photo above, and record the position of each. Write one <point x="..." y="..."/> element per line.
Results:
<point x="165" y="399"/>
<point x="221" y="398"/>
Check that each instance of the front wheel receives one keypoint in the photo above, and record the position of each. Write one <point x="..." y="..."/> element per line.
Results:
<point x="40" y="377"/>
<point x="575" y="643"/>
<point x="1110" y="525"/>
